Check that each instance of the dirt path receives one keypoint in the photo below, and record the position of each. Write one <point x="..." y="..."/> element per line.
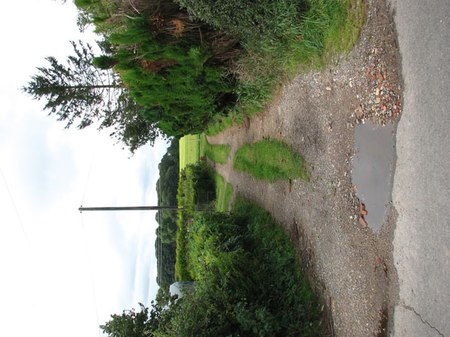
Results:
<point x="349" y="265"/>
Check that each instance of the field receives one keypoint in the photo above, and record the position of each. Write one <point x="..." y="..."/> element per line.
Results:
<point x="190" y="151"/>
<point x="192" y="148"/>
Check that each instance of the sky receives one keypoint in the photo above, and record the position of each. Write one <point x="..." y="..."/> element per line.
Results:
<point x="63" y="272"/>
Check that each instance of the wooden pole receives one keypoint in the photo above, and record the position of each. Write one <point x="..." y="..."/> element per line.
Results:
<point x="130" y="208"/>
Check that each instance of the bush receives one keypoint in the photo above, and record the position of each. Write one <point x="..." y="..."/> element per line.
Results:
<point x="246" y="19"/>
<point x="196" y="190"/>
<point x="171" y="81"/>
<point x="248" y="282"/>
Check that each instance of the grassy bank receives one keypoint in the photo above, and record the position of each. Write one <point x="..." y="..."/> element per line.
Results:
<point x="224" y="192"/>
<point x="297" y="42"/>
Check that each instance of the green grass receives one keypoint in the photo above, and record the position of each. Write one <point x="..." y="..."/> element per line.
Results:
<point x="345" y="28"/>
<point x="193" y="147"/>
<point x="190" y="151"/>
<point x="224" y="192"/>
<point x="270" y="160"/>
<point x="217" y="153"/>
<point x="327" y="28"/>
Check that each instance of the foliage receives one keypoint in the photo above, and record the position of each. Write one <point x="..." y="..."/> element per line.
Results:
<point x="172" y="67"/>
<point x="143" y="323"/>
<point x="298" y="35"/>
<point x="248" y="283"/>
<point x="196" y="184"/>
<point x="270" y="160"/>
<point x="77" y="92"/>
<point x="246" y="19"/>
<point x="196" y="191"/>
<point x="247" y="279"/>
<point x="173" y="80"/>
<point x="209" y="63"/>
<point x="129" y="323"/>
<point x="166" y="188"/>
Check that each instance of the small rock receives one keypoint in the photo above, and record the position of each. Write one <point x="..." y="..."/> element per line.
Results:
<point x="330" y="127"/>
<point x="328" y="88"/>
<point x="359" y="112"/>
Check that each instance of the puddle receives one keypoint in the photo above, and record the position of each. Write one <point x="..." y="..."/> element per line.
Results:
<point x="373" y="168"/>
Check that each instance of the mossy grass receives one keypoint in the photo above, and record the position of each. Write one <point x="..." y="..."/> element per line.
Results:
<point x="270" y="160"/>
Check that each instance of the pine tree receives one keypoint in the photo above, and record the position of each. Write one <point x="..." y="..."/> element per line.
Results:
<point x="79" y="93"/>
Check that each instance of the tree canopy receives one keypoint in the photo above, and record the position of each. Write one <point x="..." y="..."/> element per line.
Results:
<point x="166" y="187"/>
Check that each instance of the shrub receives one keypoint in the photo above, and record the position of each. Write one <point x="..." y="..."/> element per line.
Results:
<point x="246" y="19"/>
<point x="171" y="81"/>
<point x="196" y="190"/>
<point x="248" y="282"/>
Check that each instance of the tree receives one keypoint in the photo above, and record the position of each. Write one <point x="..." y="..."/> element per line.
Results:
<point x="144" y="323"/>
<point x="166" y="188"/>
<point x="78" y="92"/>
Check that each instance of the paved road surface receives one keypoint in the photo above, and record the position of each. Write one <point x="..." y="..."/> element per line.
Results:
<point x="422" y="180"/>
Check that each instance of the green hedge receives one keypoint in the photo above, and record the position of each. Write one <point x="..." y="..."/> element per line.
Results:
<point x="248" y="282"/>
<point x="196" y="190"/>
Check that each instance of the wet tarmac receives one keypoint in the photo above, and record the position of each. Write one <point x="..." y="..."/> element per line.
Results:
<point x="373" y="170"/>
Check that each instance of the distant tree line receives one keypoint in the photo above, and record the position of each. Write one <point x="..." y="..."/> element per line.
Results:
<point x="166" y="187"/>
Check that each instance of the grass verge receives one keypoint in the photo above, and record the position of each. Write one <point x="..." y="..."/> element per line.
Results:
<point x="300" y="43"/>
<point x="270" y="160"/>
<point x="224" y="192"/>
<point x="217" y="153"/>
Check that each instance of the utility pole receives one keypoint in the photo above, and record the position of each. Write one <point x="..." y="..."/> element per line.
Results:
<point x="130" y="208"/>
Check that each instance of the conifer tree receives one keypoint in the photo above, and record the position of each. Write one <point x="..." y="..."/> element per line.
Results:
<point x="79" y="93"/>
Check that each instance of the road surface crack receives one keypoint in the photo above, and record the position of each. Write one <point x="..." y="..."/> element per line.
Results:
<point x="407" y="307"/>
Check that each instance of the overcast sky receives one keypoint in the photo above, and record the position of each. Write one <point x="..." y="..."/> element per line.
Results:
<point x="63" y="273"/>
